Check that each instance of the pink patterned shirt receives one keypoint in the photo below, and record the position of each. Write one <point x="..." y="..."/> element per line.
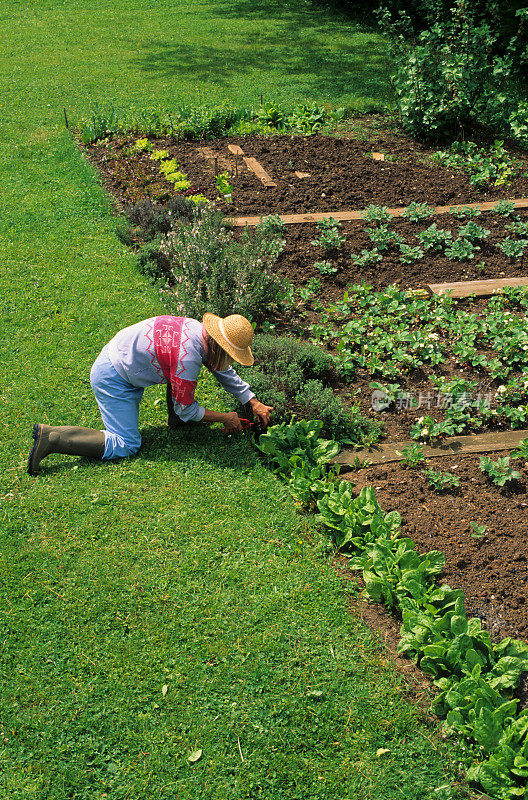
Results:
<point x="170" y="350"/>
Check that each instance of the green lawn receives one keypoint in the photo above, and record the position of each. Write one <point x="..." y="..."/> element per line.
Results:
<point x="187" y="567"/>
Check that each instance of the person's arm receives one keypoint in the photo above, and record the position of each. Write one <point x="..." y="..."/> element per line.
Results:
<point x="234" y="384"/>
<point x="260" y="411"/>
<point x="229" y="419"/>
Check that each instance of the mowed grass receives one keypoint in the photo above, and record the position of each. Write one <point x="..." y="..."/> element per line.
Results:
<point x="175" y="602"/>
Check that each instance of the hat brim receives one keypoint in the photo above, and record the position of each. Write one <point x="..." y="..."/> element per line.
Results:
<point x="242" y="356"/>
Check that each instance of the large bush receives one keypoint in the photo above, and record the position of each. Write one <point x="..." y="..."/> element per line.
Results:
<point x="452" y="75"/>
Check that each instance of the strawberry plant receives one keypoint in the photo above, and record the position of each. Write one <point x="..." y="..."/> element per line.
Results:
<point x="376" y="214"/>
<point x="440" y="481"/>
<point x="382" y="237"/>
<point x="513" y="248"/>
<point x="413" y="455"/>
<point x="417" y="211"/>
<point x="410" y="254"/>
<point x="499" y="471"/>
<point x="329" y="236"/>
<point x="367" y="258"/>
<point x="461" y="250"/>
<point x="434" y="237"/>
<point x="465" y="212"/>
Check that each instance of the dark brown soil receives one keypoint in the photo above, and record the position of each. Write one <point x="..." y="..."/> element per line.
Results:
<point x="492" y="570"/>
<point x="296" y="263"/>
<point x="343" y="174"/>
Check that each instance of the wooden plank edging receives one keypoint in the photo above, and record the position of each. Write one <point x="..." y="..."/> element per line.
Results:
<point x="456" y="445"/>
<point x="349" y="216"/>
<point x="480" y="288"/>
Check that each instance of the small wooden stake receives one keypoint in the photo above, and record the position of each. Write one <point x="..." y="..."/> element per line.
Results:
<point x="236" y="166"/>
<point x="66" y="119"/>
<point x="216" y="166"/>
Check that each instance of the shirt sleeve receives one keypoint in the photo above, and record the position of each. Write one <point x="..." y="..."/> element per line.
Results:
<point x="233" y="383"/>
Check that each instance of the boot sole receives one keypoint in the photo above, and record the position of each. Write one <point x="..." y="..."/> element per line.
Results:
<point x="31" y="470"/>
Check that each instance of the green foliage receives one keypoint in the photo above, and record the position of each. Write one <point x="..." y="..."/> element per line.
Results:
<point x="149" y="220"/>
<point x="367" y="258"/>
<point x="382" y="237"/>
<point x="329" y="237"/>
<point x="487" y="167"/>
<point x="449" y="77"/>
<point x="223" y="185"/>
<point x="499" y="471"/>
<point x="272" y="224"/>
<point x="325" y="267"/>
<point x="440" y="481"/>
<point x="521" y="451"/>
<point x="346" y="425"/>
<point x="409" y="255"/>
<point x="434" y="237"/>
<point x="210" y="271"/>
<point x="417" y="211"/>
<point x="461" y="250"/>
<point x="295" y="378"/>
<point x="413" y="455"/>
<point x="376" y="214"/>
<point x="504" y="207"/>
<point x="465" y="212"/>
<point x="513" y="248"/>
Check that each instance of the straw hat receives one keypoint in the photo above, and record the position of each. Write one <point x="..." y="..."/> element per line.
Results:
<point x="233" y="333"/>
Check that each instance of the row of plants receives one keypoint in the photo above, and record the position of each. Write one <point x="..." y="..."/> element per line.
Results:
<point x="499" y="472"/>
<point x="393" y="334"/>
<point x="474" y="676"/>
<point x="387" y="241"/>
<point x="205" y="122"/>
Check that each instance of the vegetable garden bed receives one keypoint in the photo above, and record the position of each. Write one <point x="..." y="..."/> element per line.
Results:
<point x="416" y="350"/>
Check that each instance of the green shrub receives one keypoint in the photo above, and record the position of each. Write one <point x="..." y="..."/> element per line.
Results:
<point x="152" y="219"/>
<point x="211" y="271"/>
<point x="450" y="77"/>
<point x="315" y="401"/>
<point x="293" y="377"/>
<point x="152" y="262"/>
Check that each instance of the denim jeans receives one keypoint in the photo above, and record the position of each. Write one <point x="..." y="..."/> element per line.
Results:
<point x="118" y="403"/>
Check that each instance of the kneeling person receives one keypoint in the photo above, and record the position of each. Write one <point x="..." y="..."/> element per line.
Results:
<point x="163" y="349"/>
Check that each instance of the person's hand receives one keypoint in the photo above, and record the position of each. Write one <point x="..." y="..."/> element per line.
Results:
<point x="261" y="412"/>
<point x="231" y="422"/>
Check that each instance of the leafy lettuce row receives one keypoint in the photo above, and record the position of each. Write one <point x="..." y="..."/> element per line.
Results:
<point x="474" y="676"/>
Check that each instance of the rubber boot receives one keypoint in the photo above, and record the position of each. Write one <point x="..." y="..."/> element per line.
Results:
<point x="173" y="420"/>
<point x="62" y="439"/>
